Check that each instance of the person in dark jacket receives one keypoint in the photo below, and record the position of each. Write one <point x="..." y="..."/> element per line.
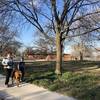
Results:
<point x="8" y="66"/>
<point x="21" y="67"/>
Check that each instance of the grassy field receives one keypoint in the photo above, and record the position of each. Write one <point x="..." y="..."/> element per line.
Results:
<point x="79" y="79"/>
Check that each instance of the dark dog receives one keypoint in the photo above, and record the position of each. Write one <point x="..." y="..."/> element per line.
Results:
<point x="16" y="76"/>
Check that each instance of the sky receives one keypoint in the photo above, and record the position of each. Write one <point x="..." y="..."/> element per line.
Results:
<point x="27" y="37"/>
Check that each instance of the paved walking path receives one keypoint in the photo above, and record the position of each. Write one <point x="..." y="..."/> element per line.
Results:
<point x="28" y="92"/>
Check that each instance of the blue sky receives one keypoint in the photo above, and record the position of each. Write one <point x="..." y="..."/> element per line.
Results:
<point x="26" y="37"/>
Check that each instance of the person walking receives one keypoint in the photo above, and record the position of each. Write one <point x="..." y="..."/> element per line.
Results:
<point x="21" y="67"/>
<point x="8" y="66"/>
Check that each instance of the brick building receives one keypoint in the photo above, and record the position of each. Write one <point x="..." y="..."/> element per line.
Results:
<point x="49" y="57"/>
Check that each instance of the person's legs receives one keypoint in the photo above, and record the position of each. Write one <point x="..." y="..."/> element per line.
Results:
<point x="8" y="74"/>
<point x="22" y="76"/>
<point x="22" y="71"/>
<point x="7" y="78"/>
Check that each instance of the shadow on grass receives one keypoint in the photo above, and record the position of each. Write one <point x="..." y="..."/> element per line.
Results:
<point x="80" y="65"/>
<point x="37" y="76"/>
<point x="92" y="94"/>
<point x="66" y="66"/>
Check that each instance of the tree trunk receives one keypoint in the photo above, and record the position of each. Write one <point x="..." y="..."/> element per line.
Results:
<point x="58" y="54"/>
<point x="81" y="56"/>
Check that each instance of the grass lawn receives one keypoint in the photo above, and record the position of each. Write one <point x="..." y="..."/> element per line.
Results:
<point x="79" y="79"/>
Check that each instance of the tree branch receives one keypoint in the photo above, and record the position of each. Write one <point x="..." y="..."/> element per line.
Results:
<point x="82" y="33"/>
<point x="66" y="5"/>
<point x="88" y="14"/>
<point x="53" y="2"/>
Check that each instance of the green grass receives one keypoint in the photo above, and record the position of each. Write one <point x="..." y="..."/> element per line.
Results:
<point x="81" y="86"/>
<point x="79" y="79"/>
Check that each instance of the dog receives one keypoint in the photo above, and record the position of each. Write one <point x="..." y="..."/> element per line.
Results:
<point x="16" y="76"/>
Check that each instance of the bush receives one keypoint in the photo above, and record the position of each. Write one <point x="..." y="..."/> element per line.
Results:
<point x="44" y="82"/>
<point x="66" y="76"/>
<point x="54" y="87"/>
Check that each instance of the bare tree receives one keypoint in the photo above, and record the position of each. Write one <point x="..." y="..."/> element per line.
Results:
<point x="7" y="39"/>
<point x="44" y="45"/>
<point x="85" y="43"/>
<point x="81" y="51"/>
<point x="63" y="16"/>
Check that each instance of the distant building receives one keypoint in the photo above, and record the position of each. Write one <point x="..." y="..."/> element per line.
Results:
<point x="49" y="57"/>
<point x="68" y="57"/>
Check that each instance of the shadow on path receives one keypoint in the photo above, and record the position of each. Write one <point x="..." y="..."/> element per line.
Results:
<point x="6" y="96"/>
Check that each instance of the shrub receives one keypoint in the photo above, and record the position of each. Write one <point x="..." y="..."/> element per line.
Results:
<point x="66" y="76"/>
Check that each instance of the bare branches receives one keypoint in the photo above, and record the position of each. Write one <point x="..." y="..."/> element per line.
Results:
<point x="53" y="3"/>
<point x="87" y="32"/>
<point x="6" y="37"/>
<point x="65" y="10"/>
<point x="88" y="14"/>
